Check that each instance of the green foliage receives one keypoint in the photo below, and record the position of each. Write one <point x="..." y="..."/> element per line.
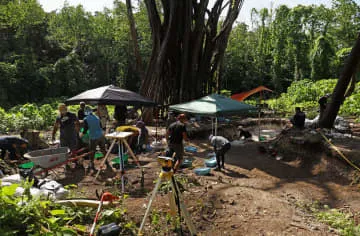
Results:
<point x="24" y="215"/>
<point x="290" y="44"/>
<point x="305" y="94"/>
<point x="343" y="222"/>
<point x="46" y="55"/>
<point x="225" y="92"/>
<point x="29" y="116"/>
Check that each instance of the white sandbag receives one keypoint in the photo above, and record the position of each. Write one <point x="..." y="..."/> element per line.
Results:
<point x="35" y="192"/>
<point x="19" y="191"/>
<point x="15" y="179"/>
<point x="5" y="183"/>
<point x="47" y="193"/>
<point x="61" y="193"/>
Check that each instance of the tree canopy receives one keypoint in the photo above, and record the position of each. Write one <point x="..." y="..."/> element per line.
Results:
<point x="44" y="55"/>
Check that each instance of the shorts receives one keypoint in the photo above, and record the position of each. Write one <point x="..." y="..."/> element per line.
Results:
<point x="69" y="142"/>
<point x="97" y="142"/>
<point x="178" y="149"/>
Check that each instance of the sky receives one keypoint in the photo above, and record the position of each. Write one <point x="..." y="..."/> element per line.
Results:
<point x="98" y="5"/>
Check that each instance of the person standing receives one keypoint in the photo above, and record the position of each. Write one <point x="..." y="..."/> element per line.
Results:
<point x="120" y="115"/>
<point x="221" y="147"/>
<point x="69" y="128"/>
<point x="103" y="115"/>
<point x="176" y="133"/>
<point x="96" y="135"/>
<point x="81" y="111"/>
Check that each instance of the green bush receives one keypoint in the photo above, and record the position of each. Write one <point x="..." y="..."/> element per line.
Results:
<point x="32" y="116"/>
<point x="306" y="93"/>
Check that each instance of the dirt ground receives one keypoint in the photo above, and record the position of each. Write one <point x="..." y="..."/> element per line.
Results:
<point x="255" y="194"/>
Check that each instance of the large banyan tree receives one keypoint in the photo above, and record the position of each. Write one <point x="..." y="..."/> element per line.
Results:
<point x="189" y="38"/>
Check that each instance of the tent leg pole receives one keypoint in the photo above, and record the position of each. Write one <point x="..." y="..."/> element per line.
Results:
<point x="212" y="126"/>
<point x="216" y="126"/>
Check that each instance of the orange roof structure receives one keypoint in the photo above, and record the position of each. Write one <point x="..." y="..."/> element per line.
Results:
<point x="242" y="96"/>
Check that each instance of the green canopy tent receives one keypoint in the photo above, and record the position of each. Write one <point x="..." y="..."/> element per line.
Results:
<point x="213" y="105"/>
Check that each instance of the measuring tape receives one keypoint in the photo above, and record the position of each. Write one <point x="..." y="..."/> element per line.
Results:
<point x="340" y="153"/>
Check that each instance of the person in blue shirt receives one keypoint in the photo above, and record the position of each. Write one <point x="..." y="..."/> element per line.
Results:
<point x="96" y="134"/>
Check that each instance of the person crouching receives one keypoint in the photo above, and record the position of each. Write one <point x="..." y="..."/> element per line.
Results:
<point x="221" y="147"/>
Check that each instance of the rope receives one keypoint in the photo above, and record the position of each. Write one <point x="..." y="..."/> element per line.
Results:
<point x="340" y="153"/>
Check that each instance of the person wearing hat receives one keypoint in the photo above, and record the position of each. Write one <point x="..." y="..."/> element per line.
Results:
<point x="96" y="135"/>
<point x="176" y="133"/>
<point x="69" y="128"/>
<point x="221" y="146"/>
<point x="143" y="136"/>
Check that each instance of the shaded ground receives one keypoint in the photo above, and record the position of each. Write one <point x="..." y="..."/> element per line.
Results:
<point x="255" y="195"/>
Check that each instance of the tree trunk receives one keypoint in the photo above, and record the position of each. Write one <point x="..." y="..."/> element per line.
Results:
<point x="338" y="96"/>
<point x="188" y="45"/>
<point x="133" y="33"/>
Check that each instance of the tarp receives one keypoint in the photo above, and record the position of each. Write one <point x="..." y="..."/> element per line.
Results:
<point x="242" y="96"/>
<point x="213" y="105"/>
<point x="110" y="95"/>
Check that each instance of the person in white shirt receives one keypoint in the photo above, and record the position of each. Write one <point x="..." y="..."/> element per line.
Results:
<point x="221" y="146"/>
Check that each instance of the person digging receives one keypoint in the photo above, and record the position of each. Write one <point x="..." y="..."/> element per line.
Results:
<point x="14" y="145"/>
<point x="221" y="147"/>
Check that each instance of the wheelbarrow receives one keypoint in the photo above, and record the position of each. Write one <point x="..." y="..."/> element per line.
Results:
<point x="48" y="159"/>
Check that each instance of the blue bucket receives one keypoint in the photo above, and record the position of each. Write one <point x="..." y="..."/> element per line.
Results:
<point x="190" y="149"/>
<point x="211" y="162"/>
<point x="186" y="163"/>
<point x="202" y="171"/>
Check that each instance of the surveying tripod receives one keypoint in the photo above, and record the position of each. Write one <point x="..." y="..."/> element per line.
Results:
<point x="167" y="174"/>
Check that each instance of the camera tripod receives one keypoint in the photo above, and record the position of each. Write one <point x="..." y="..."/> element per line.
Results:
<point x="167" y="174"/>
